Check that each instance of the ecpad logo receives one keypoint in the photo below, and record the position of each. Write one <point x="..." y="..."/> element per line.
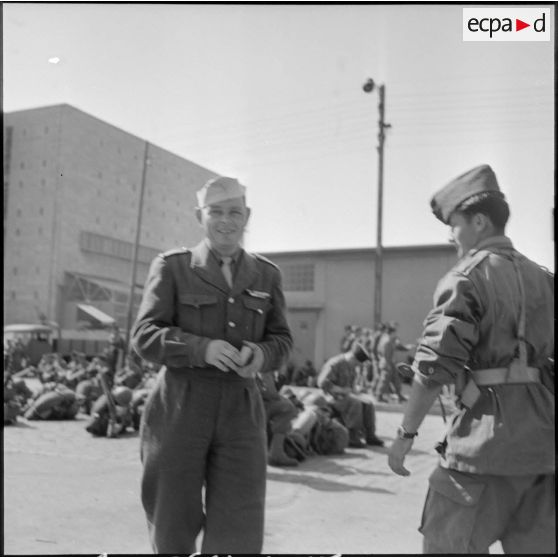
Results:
<point x="506" y="24"/>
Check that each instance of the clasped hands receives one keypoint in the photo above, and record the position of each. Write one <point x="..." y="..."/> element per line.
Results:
<point x="246" y="363"/>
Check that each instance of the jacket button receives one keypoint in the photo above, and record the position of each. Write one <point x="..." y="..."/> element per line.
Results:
<point x="232" y="324"/>
<point x="231" y="299"/>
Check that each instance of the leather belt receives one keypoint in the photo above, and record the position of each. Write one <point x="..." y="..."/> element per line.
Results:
<point x="515" y="373"/>
<point x="511" y="375"/>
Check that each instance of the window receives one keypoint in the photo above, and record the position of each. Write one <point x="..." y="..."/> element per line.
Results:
<point x="100" y="244"/>
<point x="298" y="277"/>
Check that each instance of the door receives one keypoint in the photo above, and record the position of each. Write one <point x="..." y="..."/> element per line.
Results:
<point x="303" y="329"/>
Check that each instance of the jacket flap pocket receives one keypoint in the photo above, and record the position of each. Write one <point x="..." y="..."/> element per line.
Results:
<point x="197" y="300"/>
<point x="458" y="487"/>
<point x="256" y="304"/>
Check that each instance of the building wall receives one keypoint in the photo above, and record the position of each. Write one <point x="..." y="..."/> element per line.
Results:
<point x="343" y="292"/>
<point x="70" y="175"/>
<point x="29" y="212"/>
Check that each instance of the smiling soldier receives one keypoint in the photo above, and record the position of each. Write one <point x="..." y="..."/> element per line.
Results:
<point x="213" y="316"/>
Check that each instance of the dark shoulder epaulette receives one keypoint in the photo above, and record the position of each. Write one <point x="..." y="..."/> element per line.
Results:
<point x="265" y="260"/>
<point x="470" y="261"/>
<point x="174" y="252"/>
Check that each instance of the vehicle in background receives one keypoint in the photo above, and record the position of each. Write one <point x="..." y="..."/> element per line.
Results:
<point x="39" y="339"/>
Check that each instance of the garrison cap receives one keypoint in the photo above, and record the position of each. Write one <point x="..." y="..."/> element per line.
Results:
<point x="479" y="180"/>
<point x="220" y="189"/>
<point x="359" y="352"/>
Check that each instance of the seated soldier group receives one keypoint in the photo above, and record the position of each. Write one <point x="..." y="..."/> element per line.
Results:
<point x="61" y="388"/>
<point x="320" y="415"/>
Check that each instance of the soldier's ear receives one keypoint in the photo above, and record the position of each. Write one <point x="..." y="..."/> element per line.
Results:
<point x="199" y="215"/>
<point x="248" y="213"/>
<point x="480" y="222"/>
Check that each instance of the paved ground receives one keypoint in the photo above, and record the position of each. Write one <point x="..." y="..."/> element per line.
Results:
<point x="66" y="492"/>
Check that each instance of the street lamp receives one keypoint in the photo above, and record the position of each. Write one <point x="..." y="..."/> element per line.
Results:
<point x="368" y="87"/>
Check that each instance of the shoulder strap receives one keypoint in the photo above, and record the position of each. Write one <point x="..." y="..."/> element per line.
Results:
<point x="521" y="321"/>
<point x="472" y="260"/>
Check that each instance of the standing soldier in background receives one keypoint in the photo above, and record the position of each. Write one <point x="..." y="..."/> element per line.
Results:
<point x="213" y="316"/>
<point x="115" y="349"/>
<point x="389" y="381"/>
<point x="491" y="333"/>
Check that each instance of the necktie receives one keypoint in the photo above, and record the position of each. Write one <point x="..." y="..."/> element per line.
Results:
<point x="226" y="268"/>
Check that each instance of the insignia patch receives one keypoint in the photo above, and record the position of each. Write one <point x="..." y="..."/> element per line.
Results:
<point x="258" y="294"/>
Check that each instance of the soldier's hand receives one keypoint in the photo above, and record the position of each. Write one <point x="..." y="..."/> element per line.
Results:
<point x="254" y="364"/>
<point x="222" y="355"/>
<point x="396" y="456"/>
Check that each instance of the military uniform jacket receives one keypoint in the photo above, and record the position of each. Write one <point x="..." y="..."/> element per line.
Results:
<point x="187" y="303"/>
<point x="474" y="324"/>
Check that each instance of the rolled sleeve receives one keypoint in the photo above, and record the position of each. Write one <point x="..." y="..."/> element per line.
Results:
<point x="154" y="336"/>
<point x="451" y="330"/>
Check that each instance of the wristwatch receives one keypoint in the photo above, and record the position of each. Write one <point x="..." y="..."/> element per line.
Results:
<point x="402" y="434"/>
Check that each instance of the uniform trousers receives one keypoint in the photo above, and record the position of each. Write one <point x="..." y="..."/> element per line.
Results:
<point x="356" y="412"/>
<point x="466" y="513"/>
<point x="389" y="382"/>
<point x="203" y="448"/>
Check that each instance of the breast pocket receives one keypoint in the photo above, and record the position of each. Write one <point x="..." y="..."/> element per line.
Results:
<point x="197" y="313"/>
<point x="255" y="313"/>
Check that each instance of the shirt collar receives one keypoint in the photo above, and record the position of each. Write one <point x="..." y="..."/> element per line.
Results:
<point x="235" y="258"/>
<point x="499" y="241"/>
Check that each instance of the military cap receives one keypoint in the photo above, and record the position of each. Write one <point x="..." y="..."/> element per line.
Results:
<point x="479" y="180"/>
<point x="220" y="189"/>
<point x="359" y="352"/>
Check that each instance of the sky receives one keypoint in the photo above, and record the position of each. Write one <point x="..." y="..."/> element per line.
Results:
<point x="272" y="95"/>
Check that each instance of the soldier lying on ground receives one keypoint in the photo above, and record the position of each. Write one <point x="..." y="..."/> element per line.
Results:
<point x="55" y="401"/>
<point x="279" y="412"/>
<point x="314" y="430"/>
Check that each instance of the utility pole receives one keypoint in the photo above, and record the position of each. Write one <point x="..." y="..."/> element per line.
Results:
<point x="136" y="248"/>
<point x="379" y="222"/>
<point x="368" y="87"/>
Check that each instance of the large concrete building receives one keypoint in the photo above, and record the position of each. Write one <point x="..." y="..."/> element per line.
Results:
<point x="72" y="191"/>
<point x="326" y="290"/>
<point x="72" y="188"/>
